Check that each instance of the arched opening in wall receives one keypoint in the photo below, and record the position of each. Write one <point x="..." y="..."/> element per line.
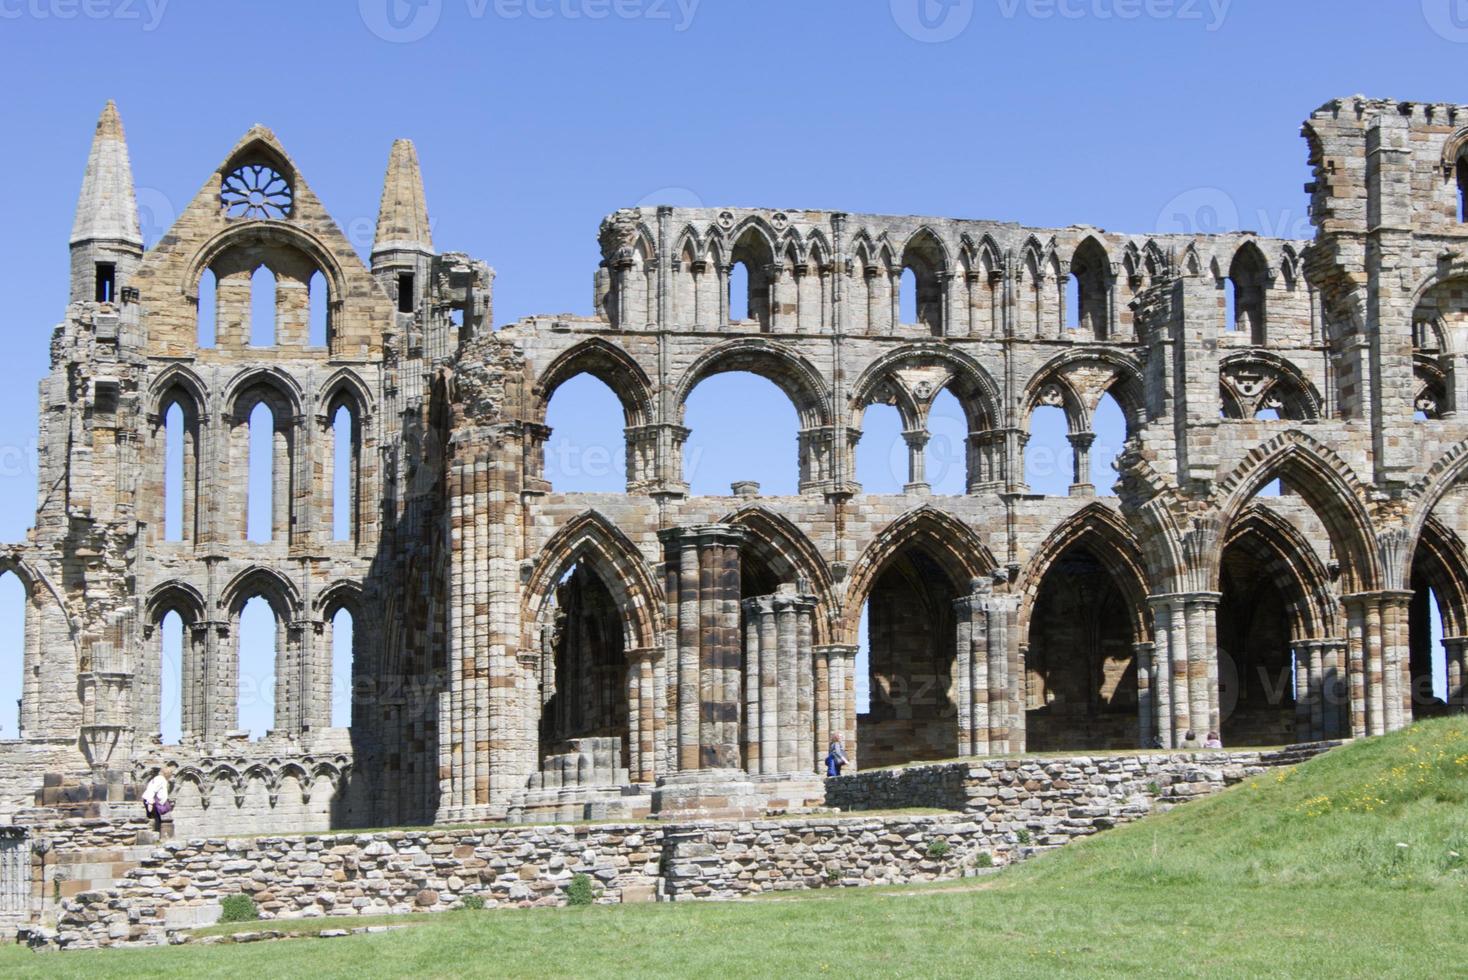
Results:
<point x="207" y="324"/>
<point x="261" y="489"/>
<point x="753" y="252"/>
<point x="926" y="260"/>
<point x="907" y="297"/>
<point x="1248" y="278"/>
<point x="1090" y="268"/>
<point x="907" y="660"/>
<point x="587" y="448"/>
<point x="259" y="643"/>
<point x="263" y="291"/>
<point x="1072" y="302"/>
<point x="738" y="422"/>
<point x="777" y="721"/>
<point x="1049" y="456"/>
<point x="946" y="454"/>
<point x="13" y="601"/>
<point x="1437" y="645"/>
<point x="881" y="454"/>
<point x="346" y="452"/>
<point x="170" y="686"/>
<point x="738" y="292"/>
<point x="174" y="477"/>
<point x="1081" y="669"/>
<point x="318" y="332"/>
<point x="1108" y="423"/>
<point x="584" y="719"/>
<point x="1256" y="659"/>
<point x="343" y="656"/>
<point x="1462" y="174"/>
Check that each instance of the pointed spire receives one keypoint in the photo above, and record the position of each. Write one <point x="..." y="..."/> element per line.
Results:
<point x="402" y="218"/>
<point x="106" y="210"/>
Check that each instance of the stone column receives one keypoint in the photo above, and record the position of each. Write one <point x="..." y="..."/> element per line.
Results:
<point x="1080" y="451"/>
<point x="841" y="704"/>
<point x="917" y="475"/>
<point x="1186" y="663"/>
<point x="806" y="754"/>
<point x="1456" y="651"/>
<point x="1146" y="705"/>
<point x="709" y="650"/>
<point x="1381" y="697"/>
<point x="642" y="733"/>
<point x="986" y="675"/>
<point x="789" y="680"/>
<point x="1335" y="691"/>
<point x="1304" y="726"/>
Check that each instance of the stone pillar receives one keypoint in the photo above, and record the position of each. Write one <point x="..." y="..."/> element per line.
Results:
<point x="1378" y="661"/>
<point x="806" y="755"/>
<point x="642" y="727"/>
<point x="985" y="674"/>
<point x="1146" y="703"/>
<point x="1080" y="450"/>
<point x="1186" y="663"/>
<point x="917" y="466"/>
<point x="840" y="662"/>
<point x="709" y="651"/>
<point x="1304" y="726"/>
<point x="1335" y="691"/>
<point x="985" y="458"/>
<point x="1456" y="651"/>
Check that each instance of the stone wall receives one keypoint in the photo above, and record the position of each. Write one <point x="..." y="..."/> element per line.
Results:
<point x="1045" y="791"/>
<point x="1008" y="810"/>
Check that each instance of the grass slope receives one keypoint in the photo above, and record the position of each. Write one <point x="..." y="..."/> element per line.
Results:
<point x="1293" y="873"/>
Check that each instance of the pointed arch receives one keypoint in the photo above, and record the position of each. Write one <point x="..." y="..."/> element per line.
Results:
<point x="244" y="390"/>
<point x="1103" y="531"/>
<point x="970" y="383"/>
<point x="1328" y="485"/>
<point x="1290" y="559"/>
<point x="268" y="584"/>
<point x="792" y="556"/>
<point x="622" y="567"/>
<point x="952" y="544"/>
<point x="609" y="364"/>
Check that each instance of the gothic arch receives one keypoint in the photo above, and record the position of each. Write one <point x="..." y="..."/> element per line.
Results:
<point x="341" y="594"/>
<point x="1327" y="483"/>
<point x="790" y="372"/>
<point x="1255" y="379"/>
<point x="957" y="549"/>
<point x="243" y="392"/>
<point x="609" y="364"/>
<point x="1443" y="560"/>
<point x="974" y="388"/>
<point x="792" y="555"/>
<point x="1106" y="534"/>
<point x="269" y="585"/>
<point x="175" y="596"/>
<point x="1294" y="566"/>
<point x="173" y="381"/>
<point x="346" y="385"/>
<point x="267" y="233"/>
<point x="1127" y="385"/>
<point x="622" y="567"/>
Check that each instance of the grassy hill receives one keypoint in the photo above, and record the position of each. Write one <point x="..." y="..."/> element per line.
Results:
<point x="1351" y="865"/>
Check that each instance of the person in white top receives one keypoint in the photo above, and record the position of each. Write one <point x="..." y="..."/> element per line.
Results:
<point x="155" y="796"/>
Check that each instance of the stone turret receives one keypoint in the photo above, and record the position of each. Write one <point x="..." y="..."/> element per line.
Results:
<point x="402" y="249"/>
<point x="106" y="241"/>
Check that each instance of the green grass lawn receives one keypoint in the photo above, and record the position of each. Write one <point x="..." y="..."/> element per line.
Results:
<point x="1300" y="873"/>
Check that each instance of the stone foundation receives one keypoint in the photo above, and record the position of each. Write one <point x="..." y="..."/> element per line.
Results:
<point x="1006" y="809"/>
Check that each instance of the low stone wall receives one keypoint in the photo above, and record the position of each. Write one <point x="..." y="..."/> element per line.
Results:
<point x="1007" y="809"/>
<point x="1042" y="787"/>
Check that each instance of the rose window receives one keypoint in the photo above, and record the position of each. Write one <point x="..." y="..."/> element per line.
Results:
<point x="256" y="191"/>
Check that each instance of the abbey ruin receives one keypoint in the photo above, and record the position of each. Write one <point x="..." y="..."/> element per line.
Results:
<point x="524" y="654"/>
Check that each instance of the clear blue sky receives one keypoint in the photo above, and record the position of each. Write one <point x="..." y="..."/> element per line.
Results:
<point x="533" y="118"/>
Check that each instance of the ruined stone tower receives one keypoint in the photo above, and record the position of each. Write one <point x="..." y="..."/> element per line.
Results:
<point x="526" y="653"/>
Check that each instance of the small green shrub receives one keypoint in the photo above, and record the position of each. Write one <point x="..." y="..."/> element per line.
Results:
<point x="833" y="875"/>
<point x="579" y="892"/>
<point x="238" y="908"/>
<point x="938" y="848"/>
<point x="1022" y="836"/>
<point x="1154" y="789"/>
<point x="473" y="903"/>
<point x="984" y="860"/>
